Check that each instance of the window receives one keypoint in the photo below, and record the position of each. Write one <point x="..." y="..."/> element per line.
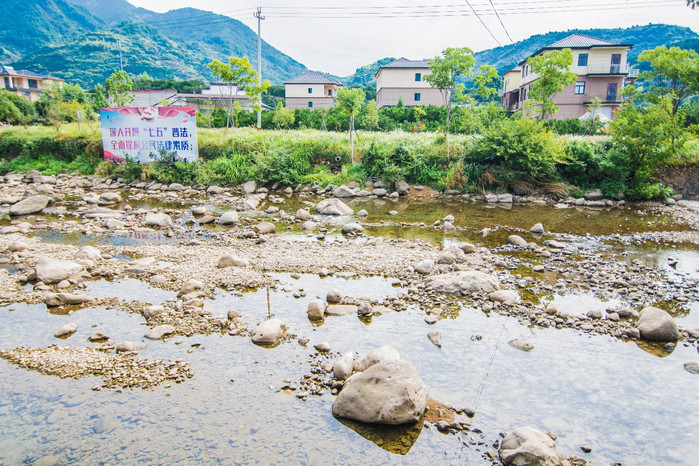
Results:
<point x="524" y="94"/>
<point x="33" y="84"/>
<point x="580" y="87"/>
<point x="330" y="92"/>
<point x="582" y="59"/>
<point x="7" y="83"/>
<point x="310" y="104"/>
<point x="310" y="90"/>
<point x="417" y="97"/>
<point x="418" y="77"/>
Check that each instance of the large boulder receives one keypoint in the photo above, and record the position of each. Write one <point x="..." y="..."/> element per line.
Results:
<point x="30" y="205"/>
<point x="265" y="228"/>
<point x="229" y="260"/>
<point x="402" y="187"/>
<point x="344" y="366"/>
<point x="343" y="191"/>
<point x="229" y="217"/>
<point x="268" y="332"/>
<point x="451" y="255"/>
<point x="424" y="267"/>
<point x="109" y="198"/>
<point x="351" y="228"/>
<point x="303" y="214"/>
<point x="333" y="206"/>
<point x="375" y="356"/>
<point x="88" y="253"/>
<point x="528" y="446"/>
<point x="49" y="270"/>
<point x="504" y="296"/>
<point x="517" y="240"/>
<point x="160" y="331"/>
<point x="390" y="392"/>
<point x="63" y="299"/>
<point x="66" y="331"/>
<point x="657" y="325"/>
<point x="316" y="309"/>
<point x="158" y="219"/>
<point x="463" y="283"/>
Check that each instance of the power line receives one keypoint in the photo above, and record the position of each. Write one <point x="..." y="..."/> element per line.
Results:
<point x="483" y="23"/>
<point x="506" y="31"/>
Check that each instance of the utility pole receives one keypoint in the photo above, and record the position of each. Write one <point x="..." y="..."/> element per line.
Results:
<point x="258" y="15"/>
<point x="121" y="63"/>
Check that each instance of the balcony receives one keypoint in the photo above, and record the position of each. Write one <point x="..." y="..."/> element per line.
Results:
<point x="607" y="98"/>
<point x="608" y="69"/>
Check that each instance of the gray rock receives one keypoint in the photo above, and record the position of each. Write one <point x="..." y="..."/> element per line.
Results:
<point x="390" y="392"/>
<point x="303" y="215"/>
<point x="98" y="336"/>
<point x="229" y="260"/>
<point x="594" y="314"/>
<point x="362" y="213"/>
<point x="88" y="252"/>
<point x="333" y="206"/>
<point x="158" y="219"/>
<point x="265" y="228"/>
<point x="670" y="201"/>
<point x="528" y="446"/>
<point x="504" y="296"/>
<point x="176" y="187"/>
<point x="692" y="367"/>
<point x="343" y="191"/>
<point x="309" y="225"/>
<point x="467" y="248"/>
<point x="152" y="311"/>
<point x="435" y="336"/>
<point x="233" y="314"/>
<point x="340" y="310"/>
<point x="365" y="309"/>
<point x="402" y="187"/>
<point x="229" y="217"/>
<point x="64" y="299"/>
<point x="379" y="192"/>
<point x="344" y="366"/>
<point x="17" y="246"/>
<point x="657" y="325"/>
<point x="191" y="285"/>
<point x="109" y="198"/>
<point x="268" y="332"/>
<point x="375" y="356"/>
<point x="322" y="347"/>
<point x="30" y="205"/>
<point x="316" y="309"/>
<point x="517" y="240"/>
<point x="66" y="331"/>
<point x="49" y="270"/>
<point x="334" y="296"/>
<point x="491" y="198"/>
<point x="505" y="198"/>
<point x="521" y="345"/>
<point x="352" y="228"/>
<point x="125" y="347"/>
<point x="537" y="229"/>
<point x="424" y="267"/>
<point x="463" y="283"/>
<point x="199" y="210"/>
<point x="451" y="255"/>
<point x="594" y="195"/>
<point x="249" y="187"/>
<point x="160" y="331"/>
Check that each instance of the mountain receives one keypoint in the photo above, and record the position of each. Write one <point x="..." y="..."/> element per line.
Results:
<point x="365" y="74"/>
<point x="505" y="58"/>
<point x="76" y="40"/>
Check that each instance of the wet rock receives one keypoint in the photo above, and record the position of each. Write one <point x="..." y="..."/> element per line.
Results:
<point x="517" y="240"/>
<point x="362" y="213"/>
<point x="17" y="246"/>
<point x="505" y="198"/>
<point x="88" y="252"/>
<point x="344" y="366"/>
<point x="380" y="192"/>
<point x="402" y="188"/>
<point x="657" y="325"/>
<point x="30" y="205"/>
<point x="692" y="367"/>
<point x="491" y="198"/>
<point x="249" y="187"/>
<point x="66" y="331"/>
<point x="160" y="331"/>
<point x="233" y="314"/>
<point x="343" y="191"/>
<point x="340" y="310"/>
<point x="309" y="225"/>
<point x="125" y="347"/>
<point x="97" y="337"/>
<point x="176" y="187"/>
<point x="316" y="309"/>
<point x="109" y="198"/>
<point x="452" y="255"/>
<point x="190" y="286"/>
<point x="537" y="229"/>
<point x="463" y="283"/>
<point x="334" y="296"/>
<point x="528" y="446"/>
<point x="375" y="356"/>
<point x="322" y="347"/>
<point x="521" y="345"/>
<point x="595" y="314"/>
<point x="303" y="215"/>
<point x="229" y="217"/>
<point x="49" y="270"/>
<point x="268" y="332"/>
<point x="435" y="337"/>
<point x="265" y="228"/>
<point x="152" y="311"/>
<point x="158" y="219"/>
<point x="63" y="299"/>
<point x="468" y="248"/>
<point x="594" y="195"/>
<point x="333" y="206"/>
<point x="199" y="210"/>
<point x="390" y="392"/>
<point x="424" y="267"/>
<point x="352" y="228"/>
<point x="229" y="260"/>
<point x="365" y="309"/>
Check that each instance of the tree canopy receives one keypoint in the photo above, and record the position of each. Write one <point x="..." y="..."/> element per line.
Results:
<point x="554" y="73"/>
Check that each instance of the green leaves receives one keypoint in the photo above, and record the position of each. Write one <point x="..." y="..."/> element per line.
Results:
<point x="554" y="73"/>
<point x="119" y="86"/>
<point x="675" y="73"/>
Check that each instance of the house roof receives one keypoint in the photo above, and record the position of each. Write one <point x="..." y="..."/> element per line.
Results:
<point x="26" y="73"/>
<point x="313" y="77"/>
<point x="580" y="40"/>
<point x="405" y="63"/>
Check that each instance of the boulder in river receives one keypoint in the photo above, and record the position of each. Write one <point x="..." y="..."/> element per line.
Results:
<point x="49" y="270"/>
<point x="390" y="392"/>
<point x="66" y="331"/>
<point x="504" y="296"/>
<point x="333" y="206"/>
<point x="537" y="229"/>
<point x="463" y="283"/>
<point x="268" y="332"/>
<point x="343" y="191"/>
<point x="125" y="347"/>
<point x="30" y="205"/>
<point x="160" y="331"/>
<point x="375" y="356"/>
<point x="265" y="228"/>
<point x="521" y="345"/>
<point x="517" y="240"/>
<point x="229" y="217"/>
<point x="424" y="267"/>
<point x="334" y="296"/>
<point x="229" y="260"/>
<point x="158" y="219"/>
<point x="344" y="366"/>
<point x="303" y="214"/>
<point x="657" y="325"/>
<point x="63" y="299"/>
<point x="528" y="446"/>
<point x="435" y="337"/>
<point x="352" y="228"/>
<point x="402" y="187"/>
<point x="316" y="309"/>
<point x="452" y="255"/>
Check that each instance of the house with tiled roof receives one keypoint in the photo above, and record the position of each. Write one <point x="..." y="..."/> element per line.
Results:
<point x="311" y="89"/>
<point x="403" y="79"/>
<point x="601" y="66"/>
<point x="25" y="83"/>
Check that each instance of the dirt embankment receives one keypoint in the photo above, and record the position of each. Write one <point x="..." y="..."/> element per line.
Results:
<point x="683" y="179"/>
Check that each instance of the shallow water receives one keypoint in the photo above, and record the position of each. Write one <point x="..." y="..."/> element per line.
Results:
<point x="624" y="402"/>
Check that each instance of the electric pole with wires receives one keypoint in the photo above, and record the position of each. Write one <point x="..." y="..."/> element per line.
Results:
<point x="258" y="15"/>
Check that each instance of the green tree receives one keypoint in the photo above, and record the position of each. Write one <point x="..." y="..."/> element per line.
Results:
<point x="675" y="73"/>
<point x="350" y="101"/>
<point x="446" y="70"/>
<point x="236" y="110"/>
<point x="9" y="113"/>
<point x="99" y="98"/>
<point x="554" y="73"/>
<point x="119" y="86"/>
<point x="487" y="82"/>
<point x="283" y="117"/>
<point x="239" y="72"/>
<point x="371" y="115"/>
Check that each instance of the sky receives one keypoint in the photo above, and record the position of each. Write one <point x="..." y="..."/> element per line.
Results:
<point x="338" y="36"/>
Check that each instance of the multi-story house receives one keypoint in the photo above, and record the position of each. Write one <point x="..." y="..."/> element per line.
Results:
<point x="26" y="84"/>
<point x="311" y="90"/>
<point x="404" y="80"/>
<point x="602" y="70"/>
